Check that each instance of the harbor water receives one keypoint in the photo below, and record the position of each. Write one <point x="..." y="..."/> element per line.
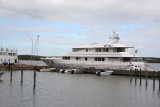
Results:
<point x="77" y="90"/>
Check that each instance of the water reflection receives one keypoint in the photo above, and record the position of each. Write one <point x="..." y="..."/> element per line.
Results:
<point x="87" y="90"/>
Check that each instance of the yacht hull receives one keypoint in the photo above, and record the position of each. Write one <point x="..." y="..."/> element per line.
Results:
<point x="58" y="63"/>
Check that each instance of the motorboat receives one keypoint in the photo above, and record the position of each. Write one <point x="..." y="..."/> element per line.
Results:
<point x="104" y="72"/>
<point x="47" y="70"/>
<point x="77" y="71"/>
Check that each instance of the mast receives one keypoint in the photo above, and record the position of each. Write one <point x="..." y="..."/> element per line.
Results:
<point x="32" y="52"/>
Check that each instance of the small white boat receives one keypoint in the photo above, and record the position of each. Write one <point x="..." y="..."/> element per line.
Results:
<point x="77" y="71"/>
<point x="104" y="72"/>
<point x="61" y="70"/>
<point x="47" y="70"/>
<point x="1" y="74"/>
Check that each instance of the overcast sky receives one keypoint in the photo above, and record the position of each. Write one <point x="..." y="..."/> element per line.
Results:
<point x="63" y="24"/>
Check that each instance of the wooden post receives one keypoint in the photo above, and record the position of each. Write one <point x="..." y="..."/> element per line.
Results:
<point x="11" y="75"/>
<point x="34" y="81"/>
<point x="146" y="77"/>
<point x="135" y="76"/>
<point x="140" y="77"/>
<point x="131" y="75"/>
<point x="159" y="79"/>
<point x="154" y="75"/>
<point x="22" y="75"/>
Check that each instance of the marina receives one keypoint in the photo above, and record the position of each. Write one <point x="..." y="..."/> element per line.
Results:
<point x="84" y="53"/>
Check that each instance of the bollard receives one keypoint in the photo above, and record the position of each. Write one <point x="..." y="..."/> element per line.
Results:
<point x="140" y="77"/>
<point x="34" y="80"/>
<point x="11" y="75"/>
<point x="22" y="75"/>
<point x="146" y="77"/>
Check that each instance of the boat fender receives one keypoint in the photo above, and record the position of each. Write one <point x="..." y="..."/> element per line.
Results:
<point x="72" y="72"/>
<point x="98" y="72"/>
<point x="63" y="71"/>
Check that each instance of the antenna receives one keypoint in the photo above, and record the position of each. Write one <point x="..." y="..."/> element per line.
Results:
<point x="1" y="41"/>
<point x="115" y="37"/>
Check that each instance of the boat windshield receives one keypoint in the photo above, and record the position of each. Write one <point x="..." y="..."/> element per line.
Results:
<point x="76" y="49"/>
<point x="137" y="59"/>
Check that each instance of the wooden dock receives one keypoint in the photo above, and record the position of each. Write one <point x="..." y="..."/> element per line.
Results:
<point x="128" y="72"/>
<point x="21" y="66"/>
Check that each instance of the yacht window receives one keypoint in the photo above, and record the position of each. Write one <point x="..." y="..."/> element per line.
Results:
<point x="77" y="58"/>
<point x="99" y="59"/>
<point x="86" y="50"/>
<point x="101" y="50"/>
<point x="10" y="54"/>
<point x="126" y="59"/>
<point x="104" y="50"/>
<point x="120" y="49"/>
<point x="137" y="59"/>
<point x="0" y="53"/>
<point x="75" y="49"/>
<point x="66" y="58"/>
<point x="14" y="54"/>
<point x="98" y="49"/>
<point x="86" y="58"/>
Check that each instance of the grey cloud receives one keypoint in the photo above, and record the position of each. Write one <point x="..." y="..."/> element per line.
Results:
<point x="102" y="11"/>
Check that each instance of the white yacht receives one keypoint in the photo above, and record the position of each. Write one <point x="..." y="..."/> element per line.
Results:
<point x="8" y="56"/>
<point x="108" y="55"/>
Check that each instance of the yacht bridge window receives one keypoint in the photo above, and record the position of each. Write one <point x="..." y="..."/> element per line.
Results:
<point x="76" y="49"/>
<point x="120" y="49"/>
<point x="137" y="59"/>
<point x="101" y="50"/>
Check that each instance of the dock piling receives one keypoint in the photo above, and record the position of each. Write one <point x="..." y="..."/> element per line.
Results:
<point x="11" y="75"/>
<point x="22" y="75"/>
<point x="135" y="76"/>
<point x="154" y="76"/>
<point x="140" y="77"/>
<point x="131" y="75"/>
<point x="34" y="81"/>
<point x="146" y="77"/>
<point x="159" y="79"/>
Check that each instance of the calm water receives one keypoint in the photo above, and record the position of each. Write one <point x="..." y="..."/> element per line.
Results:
<point x="76" y="90"/>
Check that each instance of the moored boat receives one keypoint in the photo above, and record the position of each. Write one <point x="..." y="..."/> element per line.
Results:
<point x="104" y="72"/>
<point x="107" y="55"/>
<point x="8" y="57"/>
<point x="47" y="70"/>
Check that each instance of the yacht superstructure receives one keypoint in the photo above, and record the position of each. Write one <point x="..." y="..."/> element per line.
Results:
<point x="99" y="56"/>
